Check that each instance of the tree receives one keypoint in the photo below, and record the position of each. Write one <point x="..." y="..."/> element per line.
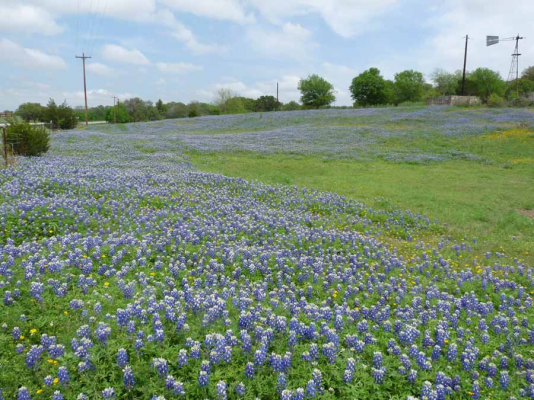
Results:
<point x="66" y="117"/>
<point x="235" y="106"/>
<point x="267" y="103"/>
<point x="26" y="139"/>
<point x="291" y="106"/>
<point x="50" y="114"/>
<point x="528" y="73"/>
<point x="31" y="112"/>
<point x="446" y="83"/>
<point x="162" y="107"/>
<point x="121" y="114"/>
<point x="369" y="88"/>
<point x="176" y="110"/>
<point x="316" y="92"/>
<point x="484" y="82"/>
<point x="409" y="86"/>
<point x="248" y="103"/>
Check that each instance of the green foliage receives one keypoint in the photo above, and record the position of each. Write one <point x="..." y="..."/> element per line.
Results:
<point x="61" y="117"/>
<point x="370" y="88"/>
<point x="409" y="86"/>
<point x="161" y="107"/>
<point x="496" y="101"/>
<point x="248" y="103"/>
<point x="26" y="139"/>
<point x="120" y="113"/>
<point x="193" y="113"/>
<point x="528" y="73"/>
<point x="447" y="83"/>
<point x="31" y="112"/>
<point x="140" y="110"/>
<point x="235" y="106"/>
<point x="291" y="106"/>
<point x="316" y="92"/>
<point x="66" y="117"/>
<point x="267" y="103"/>
<point x="483" y="82"/>
<point x="176" y="110"/>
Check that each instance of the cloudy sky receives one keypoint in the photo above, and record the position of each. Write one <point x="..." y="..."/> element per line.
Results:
<point x="183" y="50"/>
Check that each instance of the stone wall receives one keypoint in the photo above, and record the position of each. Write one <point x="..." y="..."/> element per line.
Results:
<point x="454" y="101"/>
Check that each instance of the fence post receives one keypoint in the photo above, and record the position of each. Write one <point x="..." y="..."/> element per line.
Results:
<point x="5" y="143"/>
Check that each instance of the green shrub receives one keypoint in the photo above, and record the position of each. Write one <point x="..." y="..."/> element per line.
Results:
<point x="496" y="101"/>
<point x="193" y="113"/>
<point x="26" y="139"/>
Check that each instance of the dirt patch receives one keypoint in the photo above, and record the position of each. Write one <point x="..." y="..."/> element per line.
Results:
<point x="528" y="213"/>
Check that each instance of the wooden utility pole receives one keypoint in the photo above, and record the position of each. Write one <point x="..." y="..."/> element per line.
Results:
<point x="277" y="92"/>
<point x="84" y="57"/>
<point x="114" y="112"/>
<point x="465" y="64"/>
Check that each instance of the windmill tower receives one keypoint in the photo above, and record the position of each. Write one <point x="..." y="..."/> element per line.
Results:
<point x="514" y="67"/>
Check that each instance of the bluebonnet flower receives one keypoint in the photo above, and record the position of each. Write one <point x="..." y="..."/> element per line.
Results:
<point x="249" y="370"/>
<point x="129" y="381"/>
<point x="311" y="390"/>
<point x="57" y="396"/>
<point x="504" y="380"/>
<point x="221" y="390"/>
<point x="108" y="393"/>
<point x="203" y="379"/>
<point x="48" y="380"/>
<point x="379" y="374"/>
<point x="63" y="375"/>
<point x="160" y="364"/>
<point x="23" y="393"/>
<point x="122" y="357"/>
<point x="281" y="382"/>
<point x="412" y="376"/>
<point x="240" y="389"/>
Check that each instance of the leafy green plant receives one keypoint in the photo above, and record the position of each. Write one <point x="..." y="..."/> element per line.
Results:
<point x="26" y="139"/>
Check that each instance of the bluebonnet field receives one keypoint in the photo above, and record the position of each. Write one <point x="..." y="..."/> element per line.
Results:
<point x="127" y="274"/>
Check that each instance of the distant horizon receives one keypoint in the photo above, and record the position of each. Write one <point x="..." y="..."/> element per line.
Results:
<point x="178" y="50"/>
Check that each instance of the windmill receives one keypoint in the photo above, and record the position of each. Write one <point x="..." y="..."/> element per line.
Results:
<point x="514" y="67"/>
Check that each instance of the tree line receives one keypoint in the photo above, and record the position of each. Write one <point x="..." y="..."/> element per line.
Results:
<point x="367" y="89"/>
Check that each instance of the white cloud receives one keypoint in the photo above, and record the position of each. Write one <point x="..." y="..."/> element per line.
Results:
<point x="291" y="41"/>
<point x="346" y="17"/>
<point x="115" y="53"/>
<point x="178" y="68"/>
<point x="21" y="18"/>
<point x="216" y="9"/>
<point x="100" y="69"/>
<point x="19" y="56"/>
<point x="123" y="9"/>
<point x="180" y="32"/>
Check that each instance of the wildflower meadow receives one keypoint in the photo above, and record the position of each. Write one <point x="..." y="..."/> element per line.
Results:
<point x="127" y="273"/>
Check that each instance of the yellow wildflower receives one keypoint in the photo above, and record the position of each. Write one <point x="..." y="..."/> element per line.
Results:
<point x="21" y="337"/>
<point x="33" y="330"/>
<point x="39" y="391"/>
<point x="106" y="284"/>
<point x="56" y="380"/>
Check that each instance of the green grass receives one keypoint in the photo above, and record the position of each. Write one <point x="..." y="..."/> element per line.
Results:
<point x="483" y="199"/>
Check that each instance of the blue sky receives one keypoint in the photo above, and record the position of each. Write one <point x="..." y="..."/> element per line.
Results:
<point x="183" y="50"/>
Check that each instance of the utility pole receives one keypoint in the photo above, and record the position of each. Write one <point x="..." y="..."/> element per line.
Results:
<point x="114" y="113"/>
<point x="277" y="92"/>
<point x="465" y="64"/>
<point x="84" y="57"/>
